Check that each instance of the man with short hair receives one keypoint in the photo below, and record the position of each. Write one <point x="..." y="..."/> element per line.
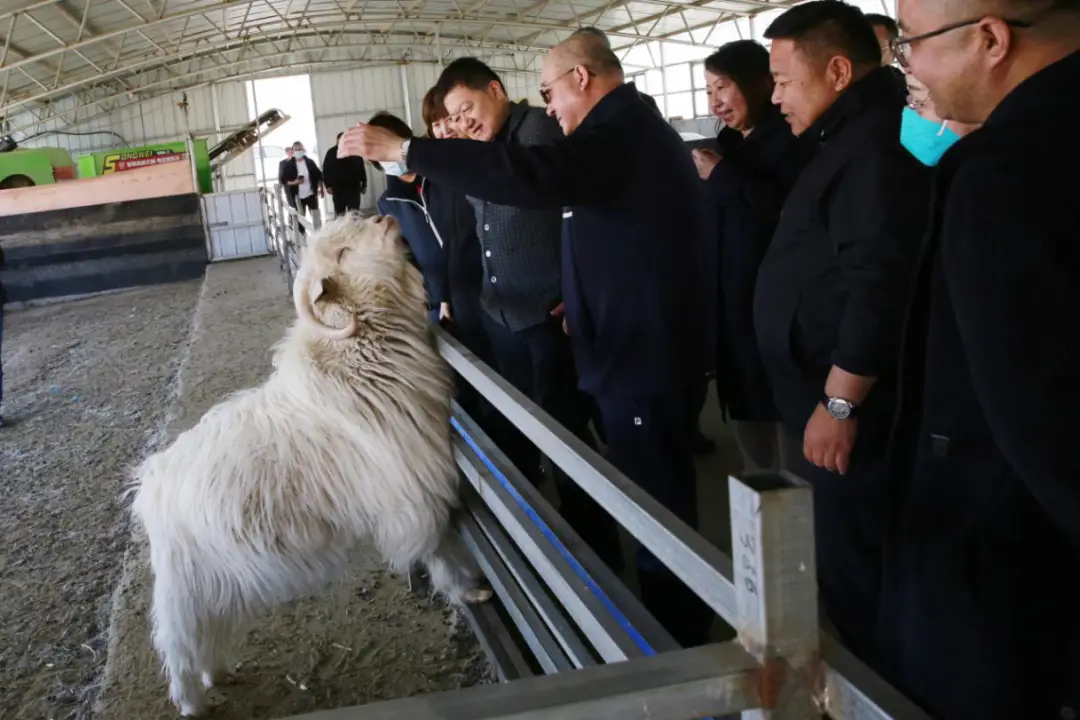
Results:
<point x="521" y="292"/>
<point x="980" y="600"/>
<point x="345" y="180"/>
<point x="830" y="297"/>
<point x="634" y="308"/>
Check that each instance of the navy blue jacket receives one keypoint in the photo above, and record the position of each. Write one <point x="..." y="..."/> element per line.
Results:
<point x="634" y="212"/>
<point x="407" y="203"/>
<point x="749" y="188"/>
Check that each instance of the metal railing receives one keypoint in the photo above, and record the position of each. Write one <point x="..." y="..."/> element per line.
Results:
<point x="569" y="641"/>
<point x="286" y="228"/>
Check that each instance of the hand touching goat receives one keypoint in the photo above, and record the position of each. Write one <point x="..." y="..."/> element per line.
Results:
<point x="346" y="442"/>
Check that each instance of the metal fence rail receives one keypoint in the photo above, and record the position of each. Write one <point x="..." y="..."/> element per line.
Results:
<point x="570" y="642"/>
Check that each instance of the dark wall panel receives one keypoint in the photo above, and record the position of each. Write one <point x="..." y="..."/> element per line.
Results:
<point x="74" y="251"/>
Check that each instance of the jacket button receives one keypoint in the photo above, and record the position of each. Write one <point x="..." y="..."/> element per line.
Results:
<point x="487" y="253"/>
<point x="486" y="226"/>
<point x="492" y="279"/>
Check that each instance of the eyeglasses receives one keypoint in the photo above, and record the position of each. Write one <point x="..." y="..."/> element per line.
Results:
<point x="901" y="47"/>
<point x="545" y="90"/>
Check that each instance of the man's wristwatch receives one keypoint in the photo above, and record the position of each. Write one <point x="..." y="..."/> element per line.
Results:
<point x="839" y="408"/>
<point x="405" y="151"/>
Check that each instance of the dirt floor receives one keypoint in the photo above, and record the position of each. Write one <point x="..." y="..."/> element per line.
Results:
<point x="86" y="385"/>
<point x="91" y="386"/>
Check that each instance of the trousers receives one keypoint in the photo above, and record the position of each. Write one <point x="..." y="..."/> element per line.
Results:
<point x="650" y="441"/>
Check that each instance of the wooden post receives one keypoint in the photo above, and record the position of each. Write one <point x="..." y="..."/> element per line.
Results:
<point x="775" y="581"/>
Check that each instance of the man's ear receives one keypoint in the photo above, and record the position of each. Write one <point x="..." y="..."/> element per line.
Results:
<point x="839" y="73"/>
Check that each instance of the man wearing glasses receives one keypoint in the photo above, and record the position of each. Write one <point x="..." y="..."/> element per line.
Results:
<point x="634" y="220"/>
<point x="981" y="593"/>
<point x="521" y="292"/>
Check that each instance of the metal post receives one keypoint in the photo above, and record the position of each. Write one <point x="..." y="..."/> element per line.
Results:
<point x="406" y="100"/>
<point x="260" y="174"/>
<point x="772" y="536"/>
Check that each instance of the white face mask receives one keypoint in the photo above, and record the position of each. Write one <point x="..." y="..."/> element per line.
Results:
<point x="394" y="168"/>
<point x="299" y="154"/>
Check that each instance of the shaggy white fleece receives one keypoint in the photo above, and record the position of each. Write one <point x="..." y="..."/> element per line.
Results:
<point x="346" y="442"/>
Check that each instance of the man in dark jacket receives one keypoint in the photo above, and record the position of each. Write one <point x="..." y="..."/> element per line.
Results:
<point x="289" y="199"/>
<point x="635" y="315"/>
<point x="303" y="179"/>
<point x="830" y="298"/>
<point x="981" y="592"/>
<point x="345" y="180"/>
<point x="521" y="294"/>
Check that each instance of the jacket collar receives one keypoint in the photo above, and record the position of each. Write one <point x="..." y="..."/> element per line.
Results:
<point x="865" y="94"/>
<point x="619" y="99"/>
<point x="518" y="112"/>
<point x="1052" y="91"/>
<point x="398" y="189"/>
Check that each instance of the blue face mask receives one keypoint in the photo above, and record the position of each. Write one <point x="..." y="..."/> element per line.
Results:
<point x="394" y="168"/>
<point x="925" y="139"/>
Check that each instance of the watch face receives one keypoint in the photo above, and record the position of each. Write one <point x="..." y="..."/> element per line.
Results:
<point x="839" y="409"/>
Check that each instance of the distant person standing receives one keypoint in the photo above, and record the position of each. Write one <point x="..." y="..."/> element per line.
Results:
<point x="345" y="180"/>
<point x="281" y="177"/>
<point x="303" y="179"/>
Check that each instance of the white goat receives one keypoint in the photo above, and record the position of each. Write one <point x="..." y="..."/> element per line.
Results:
<point x="346" y="442"/>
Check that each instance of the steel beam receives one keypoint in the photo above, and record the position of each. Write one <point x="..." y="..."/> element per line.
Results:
<point x="685" y="684"/>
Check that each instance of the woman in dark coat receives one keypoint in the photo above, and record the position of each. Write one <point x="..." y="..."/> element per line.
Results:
<point x="749" y="178"/>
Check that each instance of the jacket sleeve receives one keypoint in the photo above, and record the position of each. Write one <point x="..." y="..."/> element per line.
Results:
<point x="1006" y="249"/>
<point x="283" y="167"/>
<point x="316" y="174"/>
<point x="877" y="217"/>
<point x="582" y="168"/>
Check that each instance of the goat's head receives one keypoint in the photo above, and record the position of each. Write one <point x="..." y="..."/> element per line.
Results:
<point x="355" y="265"/>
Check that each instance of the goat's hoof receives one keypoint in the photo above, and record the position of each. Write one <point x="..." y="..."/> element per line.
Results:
<point x="475" y="596"/>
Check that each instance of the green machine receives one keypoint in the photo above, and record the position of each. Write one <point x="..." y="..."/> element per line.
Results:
<point x="110" y="161"/>
<point x="35" y="166"/>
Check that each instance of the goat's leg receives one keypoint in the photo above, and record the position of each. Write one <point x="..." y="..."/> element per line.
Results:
<point x="177" y="639"/>
<point x="453" y="573"/>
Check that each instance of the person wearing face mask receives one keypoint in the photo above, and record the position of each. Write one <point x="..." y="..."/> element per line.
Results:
<point x="749" y="183"/>
<point x="636" y="312"/>
<point x="407" y="202"/>
<point x="303" y="180"/>
<point x="924" y="133"/>
<point x="981" y="590"/>
<point x="829" y="304"/>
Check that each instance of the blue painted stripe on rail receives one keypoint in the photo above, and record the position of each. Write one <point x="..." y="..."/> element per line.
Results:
<point x="621" y="619"/>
